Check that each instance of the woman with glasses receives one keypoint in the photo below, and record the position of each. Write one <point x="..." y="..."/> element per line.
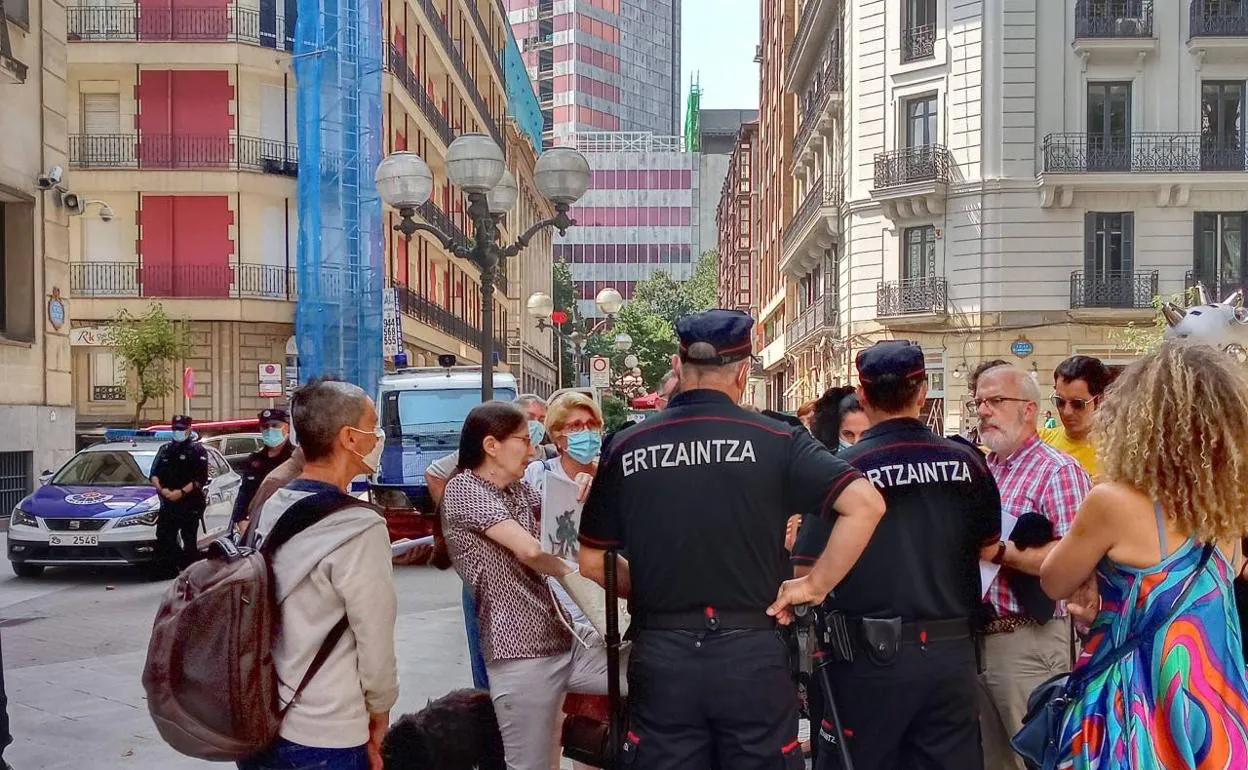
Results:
<point x="490" y="516"/>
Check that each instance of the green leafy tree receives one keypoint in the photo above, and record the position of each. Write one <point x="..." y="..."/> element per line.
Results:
<point x="702" y="290"/>
<point x="614" y="413"/>
<point x="149" y="344"/>
<point x="565" y="298"/>
<point x="1144" y="338"/>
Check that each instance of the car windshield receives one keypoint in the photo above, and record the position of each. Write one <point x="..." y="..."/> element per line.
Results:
<point x="425" y="412"/>
<point x="107" y="468"/>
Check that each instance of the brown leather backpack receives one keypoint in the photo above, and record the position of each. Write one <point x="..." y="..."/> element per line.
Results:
<point x="212" y="687"/>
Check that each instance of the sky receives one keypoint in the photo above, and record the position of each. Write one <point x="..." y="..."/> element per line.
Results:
<point x="718" y="47"/>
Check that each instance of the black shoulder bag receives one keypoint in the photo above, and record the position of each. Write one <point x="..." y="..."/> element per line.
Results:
<point x="1037" y="742"/>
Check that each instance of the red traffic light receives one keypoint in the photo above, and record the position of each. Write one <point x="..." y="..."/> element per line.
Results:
<point x="559" y="317"/>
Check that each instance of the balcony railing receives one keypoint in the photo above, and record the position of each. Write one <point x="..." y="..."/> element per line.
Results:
<point x="1119" y="289"/>
<point x="1219" y="18"/>
<point x="166" y="151"/>
<point x="918" y="42"/>
<point x="1113" y="18"/>
<point x="817" y="197"/>
<point x="219" y="24"/>
<point x="135" y="279"/>
<point x="926" y="163"/>
<point x="434" y="215"/>
<point x="829" y="82"/>
<point x="819" y="316"/>
<point x="457" y="60"/>
<point x="1219" y="288"/>
<point x="804" y="27"/>
<point x="495" y="57"/>
<point x="1143" y="153"/>
<point x="911" y="296"/>
<point x="416" y="305"/>
<point x="397" y="62"/>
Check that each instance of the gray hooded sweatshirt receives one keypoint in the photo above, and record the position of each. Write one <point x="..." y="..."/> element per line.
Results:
<point x="339" y="565"/>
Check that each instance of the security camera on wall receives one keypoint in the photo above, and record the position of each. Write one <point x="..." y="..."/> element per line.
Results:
<point x="106" y="213"/>
<point x="51" y="179"/>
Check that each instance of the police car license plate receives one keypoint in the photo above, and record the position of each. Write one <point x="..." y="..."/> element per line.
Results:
<point x="74" y="540"/>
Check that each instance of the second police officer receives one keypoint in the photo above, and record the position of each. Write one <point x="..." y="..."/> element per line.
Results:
<point x="179" y="473"/>
<point x="275" y="435"/>
<point x="904" y="675"/>
<point x="698" y="497"/>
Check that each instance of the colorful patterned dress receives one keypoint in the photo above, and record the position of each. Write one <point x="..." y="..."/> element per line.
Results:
<point x="1179" y="701"/>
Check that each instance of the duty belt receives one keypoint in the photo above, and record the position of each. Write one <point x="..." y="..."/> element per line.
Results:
<point x="927" y="631"/>
<point x="705" y="619"/>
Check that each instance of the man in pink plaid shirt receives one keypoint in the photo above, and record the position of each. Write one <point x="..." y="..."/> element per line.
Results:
<point x="1019" y="651"/>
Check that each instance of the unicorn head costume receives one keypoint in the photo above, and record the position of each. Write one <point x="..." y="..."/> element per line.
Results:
<point x="1223" y="325"/>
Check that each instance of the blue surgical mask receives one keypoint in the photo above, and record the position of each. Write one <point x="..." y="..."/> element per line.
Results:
<point x="843" y="445"/>
<point x="584" y="445"/>
<point x="181" y="435"/>
<point x="537" y="432"/>
<point x="272" y="437"/>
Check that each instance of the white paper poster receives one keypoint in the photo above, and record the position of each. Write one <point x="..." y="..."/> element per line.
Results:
<point x="987" y="570"/>
<point x="561" y="518"/>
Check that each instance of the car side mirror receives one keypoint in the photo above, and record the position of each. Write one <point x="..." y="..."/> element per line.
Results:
<point x="45" y="477"/>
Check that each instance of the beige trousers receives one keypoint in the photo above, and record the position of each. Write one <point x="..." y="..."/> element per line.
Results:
<point x="528" y="694"/>
<point x="1014" y="665"/>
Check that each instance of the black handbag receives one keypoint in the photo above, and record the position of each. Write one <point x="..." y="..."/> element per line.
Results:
<point x="1037" y="741"/>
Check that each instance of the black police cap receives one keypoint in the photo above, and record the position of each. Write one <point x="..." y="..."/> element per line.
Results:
<point x="715" y="337"/>
<point x="273" y="415"/>
<point x="901" y="358"/>
<point x="181" y="422"/>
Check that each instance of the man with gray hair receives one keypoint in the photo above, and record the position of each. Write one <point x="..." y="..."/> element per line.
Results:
<point x="1020" y="650"/>
<point x="338" y="567"/>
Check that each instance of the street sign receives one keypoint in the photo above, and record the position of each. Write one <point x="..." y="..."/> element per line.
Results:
<point x="1022" y="347"/>
<point x="600" y="372"/>
<point x="391" y="329"/>
<point x="271" y="385"/>
<point x="188" y="382"/>
<point x="292" y="379"/>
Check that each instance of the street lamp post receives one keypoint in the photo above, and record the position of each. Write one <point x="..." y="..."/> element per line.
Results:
<point x="475" y="164"/>
<point x="609" y="302"/>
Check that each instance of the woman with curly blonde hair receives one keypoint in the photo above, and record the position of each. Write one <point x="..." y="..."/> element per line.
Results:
<point x="1173" y="450"/>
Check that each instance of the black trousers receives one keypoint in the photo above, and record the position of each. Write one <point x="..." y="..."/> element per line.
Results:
<point x="5" y="737"/>
<point x="920" y="713"/>
<point x="177" y="535"/>
<point x="724" y="699"/>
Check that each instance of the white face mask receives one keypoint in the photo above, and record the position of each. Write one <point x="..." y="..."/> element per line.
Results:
<point x="372" y="460"/>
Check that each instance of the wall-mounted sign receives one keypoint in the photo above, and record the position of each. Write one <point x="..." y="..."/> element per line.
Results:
<point x="56" y="310"/>
<point x="271" y="384"/>
<point x="92" y="336"/>
<point x="1022" y="347"/>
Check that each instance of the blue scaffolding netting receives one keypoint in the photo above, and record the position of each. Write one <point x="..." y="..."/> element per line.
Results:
<point x="341" y="273"/>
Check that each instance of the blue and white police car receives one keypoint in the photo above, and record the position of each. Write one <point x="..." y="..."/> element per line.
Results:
<point x="100" y="509"/>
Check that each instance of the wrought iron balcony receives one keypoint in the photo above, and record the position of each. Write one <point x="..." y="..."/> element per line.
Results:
<point x="816" y="98"/>
<point x="918" y="42"/>
<point x="1124" y="290"/>
<point x="1143" y="153"/>
<point x="457" y="61"/>
<point x="820" y="316"/>
<point x="806" y="212"/>
<point x="911" y="296"/>
<point x="805" y="25"/>
<point x="1219" y="288"/>
<point x="396" y="62"/>
<point x="143" y="23"/>
<point x="495" y="57"/>
<point x="1219" y="18"/>
<point x="1113" y="18"/>
<point x="434" y="215"/>
<point x="170" y="152"/>
<point x="926" y="163"/>
<point x="135" y="279"/>
<point x="416" y="305"/>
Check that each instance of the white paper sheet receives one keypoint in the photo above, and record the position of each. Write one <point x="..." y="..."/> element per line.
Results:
<point x="561" y="518"/>
<point x="400" y="547"/>
<point x="987" y="570"/>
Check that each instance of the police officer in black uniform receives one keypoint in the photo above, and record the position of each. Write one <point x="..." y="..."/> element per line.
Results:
<point x="698" y="497"/>
<point x="180" y="473"/>
<point x="904" y="677"/>
<point x="275" y="433"/>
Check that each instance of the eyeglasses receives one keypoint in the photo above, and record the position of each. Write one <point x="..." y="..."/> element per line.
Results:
<point x="994" y="402"/>
<point x="1078" y="404"/>
<point x="525" y="438"/>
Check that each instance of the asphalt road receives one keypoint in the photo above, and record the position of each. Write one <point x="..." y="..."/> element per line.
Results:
<point x="75" y="640"/>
